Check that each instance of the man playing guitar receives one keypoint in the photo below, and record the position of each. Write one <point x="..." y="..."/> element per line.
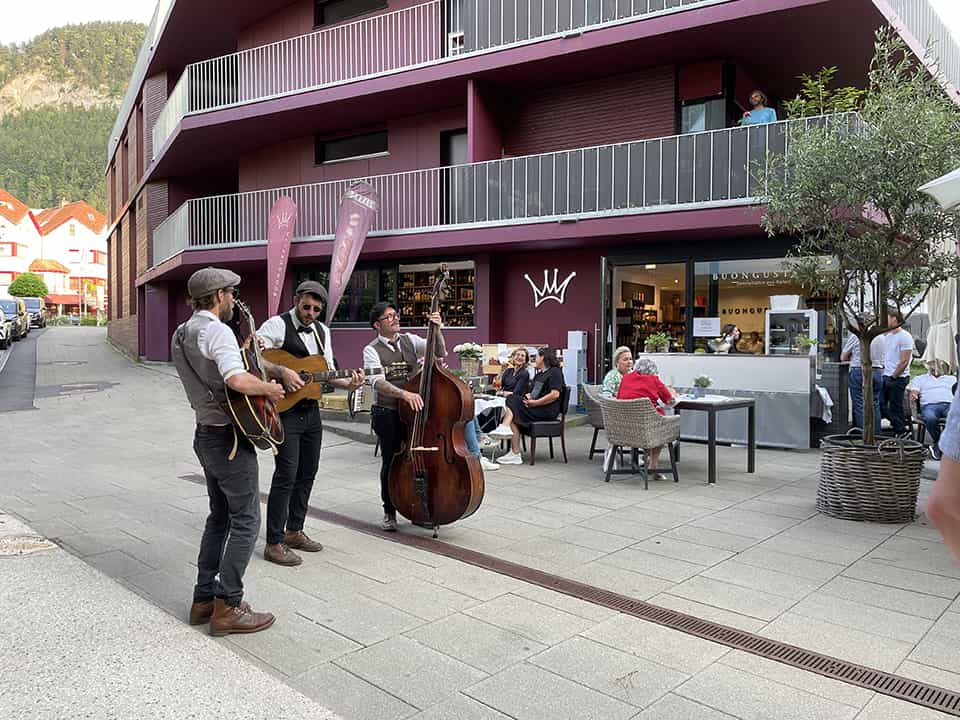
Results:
<point x="208" y="358"/>
<point x="299" y="333"/>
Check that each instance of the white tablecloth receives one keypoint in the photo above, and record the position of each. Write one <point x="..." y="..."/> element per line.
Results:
<point x="485" y="403"/>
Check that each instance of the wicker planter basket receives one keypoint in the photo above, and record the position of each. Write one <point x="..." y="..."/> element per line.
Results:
<point x="876" y="483"/>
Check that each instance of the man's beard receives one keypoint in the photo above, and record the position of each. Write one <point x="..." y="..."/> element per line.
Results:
<point x="226" y="313"/>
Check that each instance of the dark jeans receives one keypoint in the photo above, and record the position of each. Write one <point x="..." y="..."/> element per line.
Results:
<point x="296" y="467"/>
<point x="932" y="414"/>
<point x="234" y="519"/>
<point x="856" y="395"/>
<point x="892" y="402"/>
<point x="391" y="431"/>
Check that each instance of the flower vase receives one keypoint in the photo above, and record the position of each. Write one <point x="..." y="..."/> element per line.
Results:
<point x="470" y="366"/>
<point x="699" y="392"/>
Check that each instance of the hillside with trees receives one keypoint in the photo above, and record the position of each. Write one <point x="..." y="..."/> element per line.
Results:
<point x="59" y="95"/>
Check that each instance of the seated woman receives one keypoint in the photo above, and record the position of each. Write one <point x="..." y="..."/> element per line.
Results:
<point x="515" y="378"/>
<point x="727" y="342"/>
<point x="752" y="344"/>
<point x="644" y="383"/>
<point x="542" y="402"/>
<point x="622" y="364"/>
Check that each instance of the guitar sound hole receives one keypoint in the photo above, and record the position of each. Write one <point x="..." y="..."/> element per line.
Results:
<point x="306" y="377"/>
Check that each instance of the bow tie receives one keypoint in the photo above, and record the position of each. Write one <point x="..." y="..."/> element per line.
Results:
<point x="305" y="329"/>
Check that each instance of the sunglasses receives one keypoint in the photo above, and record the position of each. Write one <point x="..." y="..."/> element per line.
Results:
<point x="233" y="291"/>
<point x="315" y="308"/>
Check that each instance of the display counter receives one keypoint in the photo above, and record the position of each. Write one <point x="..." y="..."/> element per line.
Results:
<point x="782" y="387"/>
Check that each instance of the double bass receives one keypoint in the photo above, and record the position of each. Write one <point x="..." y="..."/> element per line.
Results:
<point x="434" y="479"/>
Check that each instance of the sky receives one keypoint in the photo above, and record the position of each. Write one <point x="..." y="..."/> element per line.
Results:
<point x="34" y="16"/>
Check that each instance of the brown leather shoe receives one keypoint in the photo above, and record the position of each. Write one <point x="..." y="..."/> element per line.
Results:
<point x="299" y="541"/>
<point x="200" y="612"/>
<point x="241" y="619"/>
<point x="281" y="555"/>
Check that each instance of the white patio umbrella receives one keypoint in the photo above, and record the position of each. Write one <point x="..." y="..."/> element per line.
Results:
<point x="945" y="190"/>
<point x="942" y="300"/>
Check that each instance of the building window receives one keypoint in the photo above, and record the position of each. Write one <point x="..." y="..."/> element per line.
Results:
<point x="707" y="114"/>
<point x="333" y="11"/>
<point x="352" y="148"/>
<point x="73" y="229"/>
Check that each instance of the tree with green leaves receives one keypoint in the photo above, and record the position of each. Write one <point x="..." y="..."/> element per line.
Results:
<point x="28" y="285"/>
<point x="846" y="187"/>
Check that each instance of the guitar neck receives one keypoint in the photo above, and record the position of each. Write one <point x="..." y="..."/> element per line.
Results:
<point x="337" y="374"/>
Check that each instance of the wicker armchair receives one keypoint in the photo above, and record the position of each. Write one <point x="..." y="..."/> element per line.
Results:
<point x="635" y="424"/>
<point x="591" y="394"/>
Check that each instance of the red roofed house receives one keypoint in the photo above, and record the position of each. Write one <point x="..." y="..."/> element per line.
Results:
<point x="17" y="236"/>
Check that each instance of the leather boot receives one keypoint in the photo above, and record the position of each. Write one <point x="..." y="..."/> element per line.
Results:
<point x="241" y="619"/>
<point x="200" y="612"/>
<point x="298" y="540"/>
<point x="281" y="555"/>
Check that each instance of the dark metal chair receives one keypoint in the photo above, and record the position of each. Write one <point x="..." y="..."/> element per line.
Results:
<point x="547" y="429"/>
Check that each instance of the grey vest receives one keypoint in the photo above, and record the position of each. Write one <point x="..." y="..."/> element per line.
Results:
<point x="200" y="377"/>
<point x="405" y="354"/>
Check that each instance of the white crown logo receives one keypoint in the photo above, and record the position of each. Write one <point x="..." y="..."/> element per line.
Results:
<point x="550" y="290"/>
<point x="283" y="221"/>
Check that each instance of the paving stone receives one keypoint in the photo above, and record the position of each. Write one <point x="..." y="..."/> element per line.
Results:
<point x="118" y="564"/>
<point x="567" y="603"/>
<point x="460" y="707"/>
<point x="610" y="498"/>
<point x="931" y="675"/>
<point x="758" y="578"/>
<point x="631" y="678"/>
<point x="904" y="579"/>
<point x="674" y="707"/>
<point x="503" y="526"/>
<point x="589" y="538"/>
<point x="364" y="620"/>
<point x="623" y="526"/>
<point x="423" y="599"/>
<point x="543" y="518"/>
<point x="470" y="581"/>
<point x="928" y="556"/>
<point x="648" y="563"/>
<point x="575" y="509"/>
<point x="708" y="612"/>
<point x="884" y="596"/>
<point x="683" y="550"/>
<point x="769" y="507"/>
<point x="530" y="619"/>
<point x="884" y="707"/>
<point x="415" y="673"/>
<point x="763" y="556"/>
<point x="745" y="601"/>
<point x="625" y="582"/>
<point x="751" y="697"/>
<point x="350" y="696"/>
<point x="525" y="692"/>
<point x="713" y="538"/>
<point x="870" y="619"/>
<point x="800" y="545"/>
<point x="672" y="648"/>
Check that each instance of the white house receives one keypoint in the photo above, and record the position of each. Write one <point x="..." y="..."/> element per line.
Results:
<point x="17" y="238"/>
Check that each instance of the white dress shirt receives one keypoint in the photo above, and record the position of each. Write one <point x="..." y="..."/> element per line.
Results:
<point x="218" y="343"/>
<point x="274" y="331"/>
<point x="933" y="389"/>
<point x="372" y="360"/>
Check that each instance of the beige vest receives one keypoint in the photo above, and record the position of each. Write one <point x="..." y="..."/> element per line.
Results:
<point x="405" y="354"/>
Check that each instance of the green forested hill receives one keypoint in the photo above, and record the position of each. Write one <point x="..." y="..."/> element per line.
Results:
<point x="58" y="99"/>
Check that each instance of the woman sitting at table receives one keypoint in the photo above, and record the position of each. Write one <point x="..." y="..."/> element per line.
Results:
<point x="622" y="364"/>
<point x="515" y="377"/>
<point x="542" y="402"/>
<point x="644" y="383"/>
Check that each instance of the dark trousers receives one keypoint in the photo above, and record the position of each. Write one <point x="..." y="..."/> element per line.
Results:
<point x="932" y="414"/>
<point x="856" y="395"/>
<point x="297" y="460"/>
<point x="234" y="520"/>
<point x="892" y="401"/>
<point x="391" y="431"/>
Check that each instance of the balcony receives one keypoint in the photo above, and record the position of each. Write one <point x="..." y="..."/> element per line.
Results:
<point x="437" y="31"/>
<point x="680" y="172"/>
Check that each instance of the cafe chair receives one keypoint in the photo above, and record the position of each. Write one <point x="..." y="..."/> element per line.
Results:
<point x="636" y="425"/>
<point x="547" y="429"/>
<point x="591" y="394"/>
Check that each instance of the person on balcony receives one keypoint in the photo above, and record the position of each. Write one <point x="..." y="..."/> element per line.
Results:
<point x="541" y="403"/>
<point x="934" y="391"/>
<point x="759" y="113"/>
<point x="622" y="364"/>
<point x="644" y="383"/>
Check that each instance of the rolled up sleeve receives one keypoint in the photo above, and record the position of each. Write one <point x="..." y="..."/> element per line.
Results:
<point x="217" y="343"/>
<point x="371" y="360"/>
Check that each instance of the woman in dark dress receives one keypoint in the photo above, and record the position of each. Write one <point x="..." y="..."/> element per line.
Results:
<point x="542" y="402"/>
<point x="515" y="378"/>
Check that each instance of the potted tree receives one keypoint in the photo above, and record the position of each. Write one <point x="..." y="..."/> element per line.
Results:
<point x="470" y="355"/>
<point x="846" y="187"/>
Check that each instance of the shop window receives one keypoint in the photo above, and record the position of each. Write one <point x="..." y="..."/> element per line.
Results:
<point x="333" y="11"/>
<point x="352" y="148"/>
<point x="650" y="299"/>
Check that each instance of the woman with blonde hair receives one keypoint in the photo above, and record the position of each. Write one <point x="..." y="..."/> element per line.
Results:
<point x="622" y="364"/>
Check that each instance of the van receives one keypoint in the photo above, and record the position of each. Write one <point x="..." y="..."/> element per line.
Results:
<point x="37" y="311"/>
<point x="15" y="309"/>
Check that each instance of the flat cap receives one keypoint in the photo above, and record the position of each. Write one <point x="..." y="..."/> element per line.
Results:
<point x="312" y="287"/>
<point x="208" y="280"/>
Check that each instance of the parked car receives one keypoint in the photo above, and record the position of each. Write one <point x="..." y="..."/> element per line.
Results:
<point x="14" y="309"/>
<point x="37" y="311"/>
<point x="6" y="330"/>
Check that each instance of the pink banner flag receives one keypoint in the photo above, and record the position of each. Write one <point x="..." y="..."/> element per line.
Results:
<point x="280" y="227"/>
<point x="357" y="208"/>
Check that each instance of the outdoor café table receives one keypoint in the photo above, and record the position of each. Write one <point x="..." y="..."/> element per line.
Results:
<point x="712" y="404"/>
<point x="486" y="402"/>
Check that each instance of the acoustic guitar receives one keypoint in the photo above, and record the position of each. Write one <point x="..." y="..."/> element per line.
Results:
<point x="314" y="371"/>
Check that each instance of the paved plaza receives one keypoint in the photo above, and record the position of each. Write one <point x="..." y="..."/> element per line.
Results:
<point x="373" y="629"/>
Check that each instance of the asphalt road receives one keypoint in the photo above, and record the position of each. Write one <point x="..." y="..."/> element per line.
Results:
<point x="18" y="373"/>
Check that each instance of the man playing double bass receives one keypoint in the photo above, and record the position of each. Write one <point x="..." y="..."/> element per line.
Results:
<point x="300" y="333"/>
<point x="391" y="346"/>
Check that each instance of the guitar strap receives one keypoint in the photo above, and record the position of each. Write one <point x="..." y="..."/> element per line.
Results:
<point x="181" y="331"/>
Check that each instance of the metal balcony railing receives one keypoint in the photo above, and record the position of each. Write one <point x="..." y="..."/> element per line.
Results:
<point x="426" y="33"/>
<point x="715" y="168"/>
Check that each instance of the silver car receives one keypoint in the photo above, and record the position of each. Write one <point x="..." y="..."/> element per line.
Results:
<point x="6" y="331"/>
<point x="16" y="312"/>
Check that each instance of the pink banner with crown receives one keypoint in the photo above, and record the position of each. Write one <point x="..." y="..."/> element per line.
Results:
<point x="358" y="207"/>
<point x="280" y="227"/>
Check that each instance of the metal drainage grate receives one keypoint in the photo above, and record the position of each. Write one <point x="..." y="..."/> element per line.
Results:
<point x="919" y="693"/>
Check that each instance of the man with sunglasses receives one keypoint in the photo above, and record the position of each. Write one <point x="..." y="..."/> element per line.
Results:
<point x="391" y="346"/>
<point x="300" y="333"/>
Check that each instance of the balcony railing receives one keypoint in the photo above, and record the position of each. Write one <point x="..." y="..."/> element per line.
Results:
<point x="715" y="168"/>
<point x="401" y="40"/>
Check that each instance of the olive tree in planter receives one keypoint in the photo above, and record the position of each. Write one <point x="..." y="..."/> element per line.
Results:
<point x="846" y="187"/>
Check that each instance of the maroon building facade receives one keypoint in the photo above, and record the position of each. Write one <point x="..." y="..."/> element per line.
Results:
<point x="578" y="164"/>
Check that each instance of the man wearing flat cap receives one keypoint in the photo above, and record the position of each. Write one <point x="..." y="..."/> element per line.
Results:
<point x="300" y="333"/>
<point x="207" y="357"/>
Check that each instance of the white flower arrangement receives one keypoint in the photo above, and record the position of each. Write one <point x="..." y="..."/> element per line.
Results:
<point x="702" y="381"/>
<point x="469" y="350"/>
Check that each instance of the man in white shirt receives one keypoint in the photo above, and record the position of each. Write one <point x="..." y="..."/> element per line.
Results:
<point x="299" y="333"/>
<point x="851" y="354"/>
<point x="207" y="357"/>
<point x="898" y="352"/>
<point x="934" y="390"/>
